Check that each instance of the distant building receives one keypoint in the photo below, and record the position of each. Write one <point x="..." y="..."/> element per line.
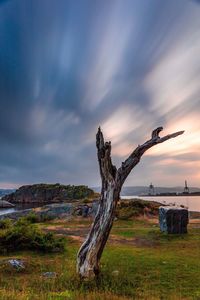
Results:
<point x="151" y="190"/>
<point x="186" y="188"/>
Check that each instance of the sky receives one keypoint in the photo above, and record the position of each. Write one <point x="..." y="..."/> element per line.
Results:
<point x="68" y="66"/>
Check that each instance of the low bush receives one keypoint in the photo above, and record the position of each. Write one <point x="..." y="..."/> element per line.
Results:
<point x="32" y="218"/>
<point x="136" y="207"/>
<point x="25" y="236"/>
<point x="6" y="223"/>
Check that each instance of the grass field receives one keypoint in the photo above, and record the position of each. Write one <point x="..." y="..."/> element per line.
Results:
<point x="139" y="262"/>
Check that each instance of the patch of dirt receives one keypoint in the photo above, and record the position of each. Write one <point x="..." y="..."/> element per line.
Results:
<point x="115" y="239"/>
<point x="194" y="221"/>
<point x="77" y="238"/>
<point x="79" y="234"/>
<point x="142" y="242"/>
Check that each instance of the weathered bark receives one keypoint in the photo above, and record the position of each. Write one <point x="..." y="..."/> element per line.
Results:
<point x="112" y="180"/>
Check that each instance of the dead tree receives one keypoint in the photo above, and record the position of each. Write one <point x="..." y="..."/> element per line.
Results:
<point x="112" y="181"/>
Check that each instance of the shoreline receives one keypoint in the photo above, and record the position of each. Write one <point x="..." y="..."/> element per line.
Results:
<point x="169" y="195"/>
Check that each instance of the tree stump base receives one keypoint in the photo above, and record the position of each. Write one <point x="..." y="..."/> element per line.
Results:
<point x="173" y="219"/>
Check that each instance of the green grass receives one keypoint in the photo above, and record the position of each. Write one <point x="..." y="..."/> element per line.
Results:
<point x="152" y="266"/>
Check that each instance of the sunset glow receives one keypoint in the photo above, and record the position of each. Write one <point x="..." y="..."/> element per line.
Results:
<point x="69" y="66"/>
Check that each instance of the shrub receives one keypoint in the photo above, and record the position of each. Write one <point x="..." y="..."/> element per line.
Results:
<point x="25" y="236"/>
<point x="135" y="207"/>
<point x="32" y="218"/>
<point x="6" y="223"/>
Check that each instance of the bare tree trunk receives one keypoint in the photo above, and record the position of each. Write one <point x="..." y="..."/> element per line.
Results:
<point x="112" y="180"/>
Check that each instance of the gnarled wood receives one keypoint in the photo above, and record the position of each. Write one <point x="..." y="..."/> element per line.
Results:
<point x="112" y="180"/>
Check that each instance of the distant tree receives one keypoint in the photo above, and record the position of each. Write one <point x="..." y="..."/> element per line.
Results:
<point x="112" y="181"/>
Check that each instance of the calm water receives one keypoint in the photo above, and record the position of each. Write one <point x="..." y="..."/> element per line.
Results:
<point x="192" y="202"/>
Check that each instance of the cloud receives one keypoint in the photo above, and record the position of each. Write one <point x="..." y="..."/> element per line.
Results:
<point x="69" y="66"/>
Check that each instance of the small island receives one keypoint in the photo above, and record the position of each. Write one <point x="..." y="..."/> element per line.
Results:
<point x="43" y="193"/>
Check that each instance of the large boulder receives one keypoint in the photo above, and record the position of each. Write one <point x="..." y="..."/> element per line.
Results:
<point x="173" y="219"/>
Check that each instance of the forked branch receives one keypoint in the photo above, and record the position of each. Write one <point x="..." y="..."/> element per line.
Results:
<point x="135" y="156"/>
<point x="112" y="180"/>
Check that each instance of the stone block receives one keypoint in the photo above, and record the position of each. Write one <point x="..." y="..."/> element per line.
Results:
<point x="173" y="219"/>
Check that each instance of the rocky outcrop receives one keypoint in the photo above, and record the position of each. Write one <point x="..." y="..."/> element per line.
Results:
<point x="6" y="204"/>
<point x="48" y="193"/>
<point x="16" y="214"/>
<point x="54" y="211"/>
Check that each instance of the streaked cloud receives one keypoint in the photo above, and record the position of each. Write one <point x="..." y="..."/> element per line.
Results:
<point x="69" y="66"/>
